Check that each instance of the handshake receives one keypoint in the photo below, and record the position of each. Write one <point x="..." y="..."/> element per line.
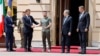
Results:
<point x="13" y="25"/>
<point x="33" y="26"/>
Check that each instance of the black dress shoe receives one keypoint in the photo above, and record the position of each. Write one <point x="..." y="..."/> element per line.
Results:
<point x="26" y="50"/>
<point x="12" y="50"/>
<point x="82" y="53"/>
<point x="68" y="52"/>
<point x="29" y="50"/>
<point x="62" y="52"/>
<point x="8" y="50"/>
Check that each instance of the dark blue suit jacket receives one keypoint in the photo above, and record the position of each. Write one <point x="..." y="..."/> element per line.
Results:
<point x="84" y="22"/>
<point x="28" y="24"/>
<point x="67" y="26"/>
<point x="8" y="24"/>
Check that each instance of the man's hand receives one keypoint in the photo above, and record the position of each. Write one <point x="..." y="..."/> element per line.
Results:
<point x="46" y="27"/>
<point x="13" y="25"/>
<point x="86" y="29"/>
<point x="69" y="33"/>
<point x="18" y="31"/>
<point x="77" y="30"/>
<point x="32" y="26"/>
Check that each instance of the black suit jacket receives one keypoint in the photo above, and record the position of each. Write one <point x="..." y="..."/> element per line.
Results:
<point x="8" y="24"/>
<point x="28" y="24"/>
<point x="67" y="26"/>
<point x="84" y="22"/>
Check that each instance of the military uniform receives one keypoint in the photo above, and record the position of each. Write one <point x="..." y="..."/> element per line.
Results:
<point x="45" y="32"/>
<point x="20" y="27"/>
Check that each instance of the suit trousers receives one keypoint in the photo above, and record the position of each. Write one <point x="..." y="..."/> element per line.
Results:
<point x="9" y="40"/>
<point x="27" y="40"/>
<point x="46" y="35"/>
<point x="82" y="38"/>
<point x="65" y="42"/>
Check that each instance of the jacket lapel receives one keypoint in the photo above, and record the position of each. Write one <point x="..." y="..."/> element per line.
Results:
<point x="82" y="17"/>
<point x="66" y="20"/>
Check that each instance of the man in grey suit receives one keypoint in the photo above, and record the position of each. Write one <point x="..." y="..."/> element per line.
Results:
<point x="46" y="24"/>
<point x="20" y="29"/>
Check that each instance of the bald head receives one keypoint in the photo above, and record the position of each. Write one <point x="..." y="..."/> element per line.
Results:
<point x="66" y="12"/>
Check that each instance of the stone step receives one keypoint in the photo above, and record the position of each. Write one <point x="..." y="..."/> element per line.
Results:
<point x="92" y="48"/>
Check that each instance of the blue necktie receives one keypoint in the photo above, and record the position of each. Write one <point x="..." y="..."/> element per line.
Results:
<point x="11" y="19"/>
<point x="64" y="20"/>
<point x="29" y="19"/>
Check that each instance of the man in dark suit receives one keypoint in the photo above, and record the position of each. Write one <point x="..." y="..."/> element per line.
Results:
<point x="83" y="27"/>
<point x="66" y="31"/>
<point x="28" y="21"/>
<point x="9" y="29"/>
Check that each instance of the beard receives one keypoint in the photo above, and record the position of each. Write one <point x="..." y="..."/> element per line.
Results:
<point x="45" y="15"/>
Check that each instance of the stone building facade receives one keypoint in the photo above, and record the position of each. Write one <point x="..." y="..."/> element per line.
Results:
<point x="50" y="7"/>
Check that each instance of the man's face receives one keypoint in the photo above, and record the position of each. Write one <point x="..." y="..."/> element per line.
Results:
<point x="64" y="14"/>
<point x="28" y="12"/>
<point x="80" y="10"/>
<point x="9" y="13"/>
<point x="45" y="14"/>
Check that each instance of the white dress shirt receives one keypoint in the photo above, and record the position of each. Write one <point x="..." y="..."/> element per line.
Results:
<point x="81" y="15"/>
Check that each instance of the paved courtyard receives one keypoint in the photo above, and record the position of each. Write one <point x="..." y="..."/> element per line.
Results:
<point x="41" y="54"/>
<point x="38" y="44"/>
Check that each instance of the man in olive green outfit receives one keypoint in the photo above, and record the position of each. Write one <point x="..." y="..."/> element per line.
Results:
<point x="20" y="29"/>
<point x="46" y="24"/>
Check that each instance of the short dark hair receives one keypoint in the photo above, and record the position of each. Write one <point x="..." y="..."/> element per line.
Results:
<point x="82" y="7"/>
<point x="27" y="10"/>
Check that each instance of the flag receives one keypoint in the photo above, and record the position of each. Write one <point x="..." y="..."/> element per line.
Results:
<point x="10" y="7"/>
<point x="2" y="14"/>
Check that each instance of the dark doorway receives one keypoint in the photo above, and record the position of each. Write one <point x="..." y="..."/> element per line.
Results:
<point x="15" y="15"/>
<point x="72" y="5"/>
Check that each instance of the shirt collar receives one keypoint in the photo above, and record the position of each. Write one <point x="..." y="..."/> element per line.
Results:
<point x="66" y="16"/>
<point x="8" y="15"/>
<point x="83" y="12"/>
<point x="45" y="17"/>
<point x="27" y="15"/>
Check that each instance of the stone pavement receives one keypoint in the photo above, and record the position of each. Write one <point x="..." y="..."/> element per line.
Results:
<point x="41" y="54"/>
<point x="38" y="44"/>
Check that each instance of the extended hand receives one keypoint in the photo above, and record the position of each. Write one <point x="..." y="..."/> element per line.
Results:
<point x="77" y="30"/>
<point x="13" y="25"/>
<point x="46" y="27"/>
<point x="86" y="29"/>
<point x="32" y="26"/>
<point x="69" y="33"/>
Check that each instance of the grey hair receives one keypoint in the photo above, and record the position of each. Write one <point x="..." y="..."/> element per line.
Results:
<point x="66" y="11"/>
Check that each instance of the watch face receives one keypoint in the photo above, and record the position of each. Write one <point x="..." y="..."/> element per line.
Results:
<point x="0" y="1"/>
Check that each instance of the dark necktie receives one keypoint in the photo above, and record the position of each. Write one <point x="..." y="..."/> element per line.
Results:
<point x="11" y="19"/>
<point x="29" y="19"/>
